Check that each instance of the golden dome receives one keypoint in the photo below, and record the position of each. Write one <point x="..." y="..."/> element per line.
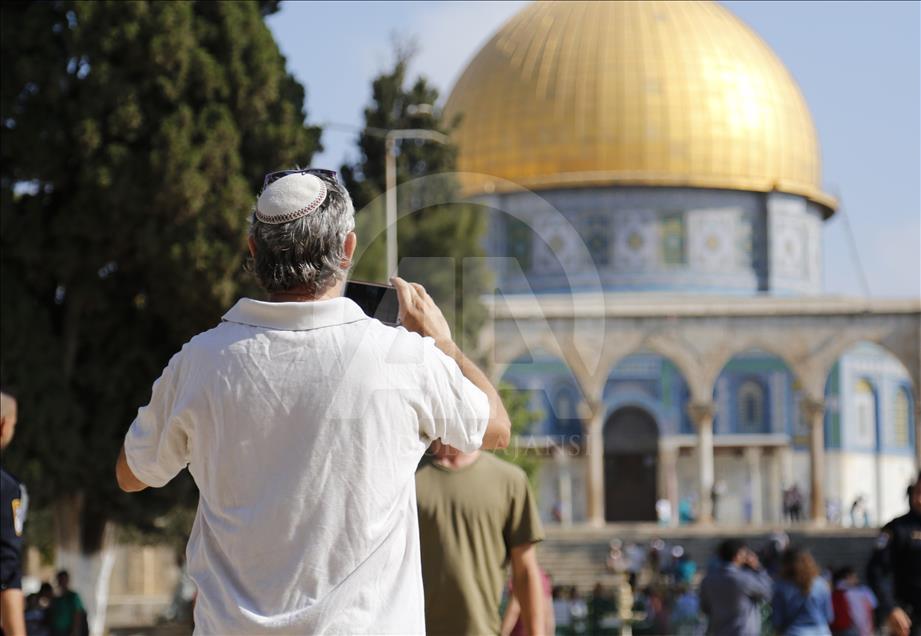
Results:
<point x="573" y="94"/>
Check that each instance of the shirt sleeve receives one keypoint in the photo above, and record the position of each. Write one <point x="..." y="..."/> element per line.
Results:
<point x="523" y="526"/>
<point x="157" y="444"/>
<point x="454" y="409"/>
<point x="756" y="584"/>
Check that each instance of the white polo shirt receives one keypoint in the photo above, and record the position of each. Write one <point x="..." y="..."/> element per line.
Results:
<point x="302" y="425"/>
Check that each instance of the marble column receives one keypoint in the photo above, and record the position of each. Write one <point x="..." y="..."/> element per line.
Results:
<point x="668" y="479"/>
<point x="593" y="426"/>
<point x="701" y="414"/>
<point x="814" y="412"/>
<point x="753" y="460"/>
<point x="564" y="483"/>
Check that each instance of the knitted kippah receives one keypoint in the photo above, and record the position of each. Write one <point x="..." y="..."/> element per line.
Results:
<point x="289" y="198"/>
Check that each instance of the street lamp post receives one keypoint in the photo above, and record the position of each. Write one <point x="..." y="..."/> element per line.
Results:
<point x="390" y="176"/>
<point x="390" y="173"/>
<point x="391" y="137"/>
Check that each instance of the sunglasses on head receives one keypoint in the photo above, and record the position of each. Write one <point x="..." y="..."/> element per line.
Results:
<point x="272" y="177"/>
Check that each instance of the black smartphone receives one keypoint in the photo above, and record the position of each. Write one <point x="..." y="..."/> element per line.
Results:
<point x="376" y="300"/>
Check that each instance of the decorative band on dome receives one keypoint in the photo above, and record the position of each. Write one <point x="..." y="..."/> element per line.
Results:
<point x="290" y="198"/>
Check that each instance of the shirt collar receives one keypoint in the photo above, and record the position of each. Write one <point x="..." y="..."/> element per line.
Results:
<point x="301" y="316"/>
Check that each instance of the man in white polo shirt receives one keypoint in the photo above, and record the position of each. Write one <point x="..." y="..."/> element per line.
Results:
<point x="302" y="422"/>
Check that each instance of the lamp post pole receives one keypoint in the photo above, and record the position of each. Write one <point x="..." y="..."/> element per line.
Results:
<point x="391" y="204"/>
<point x="390" y="177"/>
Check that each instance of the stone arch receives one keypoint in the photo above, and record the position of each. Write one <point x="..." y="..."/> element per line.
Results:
<point x="552" y="390"/>
<point x="670" y="347"/>
<point x="902" y="342"/>
<point x="750" y="375"/>
<point x="749" y="342"/>
<point x="507" y="352"/>
<point x="652" y="381"/>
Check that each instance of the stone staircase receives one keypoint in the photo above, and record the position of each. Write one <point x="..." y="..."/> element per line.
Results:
<point x="577" y="555"/>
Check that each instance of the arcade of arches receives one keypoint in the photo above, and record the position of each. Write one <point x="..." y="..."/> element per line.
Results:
<point x="633" y="443"/>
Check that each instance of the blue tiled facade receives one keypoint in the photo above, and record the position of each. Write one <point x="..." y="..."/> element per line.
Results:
<point x="631" y="239"/>
<point x="681" y="240"/>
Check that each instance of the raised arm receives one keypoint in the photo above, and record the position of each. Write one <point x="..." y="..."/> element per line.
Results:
<point x="756" y="582"/>
<point x="419" y="313"/>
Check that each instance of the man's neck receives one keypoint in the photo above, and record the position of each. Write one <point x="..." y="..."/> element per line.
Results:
<point x="455" y="461"/>
<point x="302" y="296"/>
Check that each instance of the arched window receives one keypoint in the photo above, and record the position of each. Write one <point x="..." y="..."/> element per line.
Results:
<point x="565" y="405"/>
<point x="751" y="407"/>
<point x="900" y="419"/>
<point x="865" y="413"/>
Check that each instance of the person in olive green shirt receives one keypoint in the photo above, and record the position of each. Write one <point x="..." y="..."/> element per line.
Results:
<point x="477" y="516"/>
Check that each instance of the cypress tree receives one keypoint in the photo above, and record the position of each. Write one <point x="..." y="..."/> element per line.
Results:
<point x="134" y="140"/>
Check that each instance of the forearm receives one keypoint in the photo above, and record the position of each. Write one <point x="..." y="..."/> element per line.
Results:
<point x="12" y="612"/>
<point x="512" y="613"/>
<point x="499" y="429"/>
<point x="127" y="481"/>
<point x="527" y="585"/>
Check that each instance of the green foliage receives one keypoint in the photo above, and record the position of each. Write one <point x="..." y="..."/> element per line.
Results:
<point x="134" y="137"/>
<point x="522" y="417"/>
<point x="439" y="238"/>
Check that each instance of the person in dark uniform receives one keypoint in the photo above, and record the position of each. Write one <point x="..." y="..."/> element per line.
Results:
<point x="13" y="503"/>
<point x="894" y="571"/>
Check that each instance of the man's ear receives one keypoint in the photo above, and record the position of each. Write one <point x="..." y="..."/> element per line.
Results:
<point x="348" y="249"/>
<point x="252" y="246"/>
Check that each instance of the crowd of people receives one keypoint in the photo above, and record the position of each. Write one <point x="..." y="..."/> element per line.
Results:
<point x="60" y="612"/>
<point x="774" y="588"/>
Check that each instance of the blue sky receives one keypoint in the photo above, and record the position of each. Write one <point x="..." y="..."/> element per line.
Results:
<point x="857" y="63"/>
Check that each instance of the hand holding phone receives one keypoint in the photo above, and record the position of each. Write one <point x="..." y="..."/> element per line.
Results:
<point x="419" y="313"/>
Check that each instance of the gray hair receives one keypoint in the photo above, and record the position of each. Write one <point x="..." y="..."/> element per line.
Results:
<point x="306" y="253"/>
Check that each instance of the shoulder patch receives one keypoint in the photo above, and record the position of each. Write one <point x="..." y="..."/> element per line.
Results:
<point x="20" y="506"/>
<point x="16" y="504"/>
